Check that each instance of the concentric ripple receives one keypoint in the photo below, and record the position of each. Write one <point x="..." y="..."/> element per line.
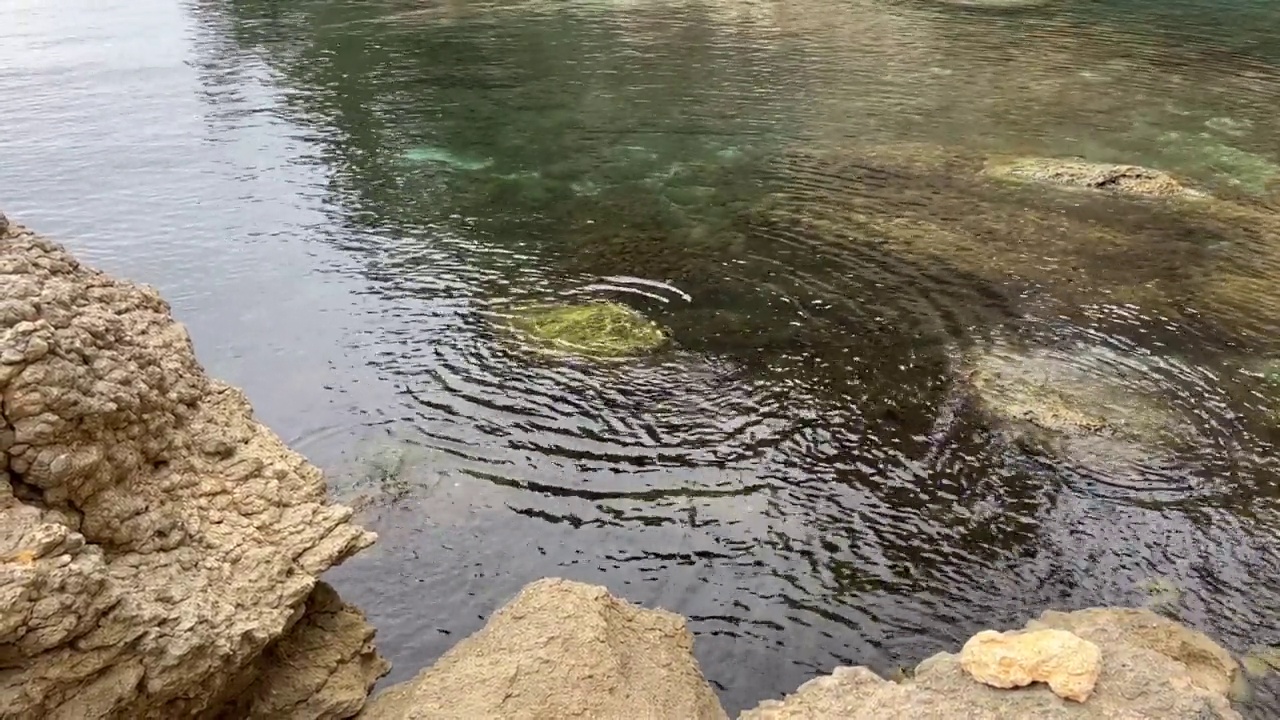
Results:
<point x="338" y="194"/>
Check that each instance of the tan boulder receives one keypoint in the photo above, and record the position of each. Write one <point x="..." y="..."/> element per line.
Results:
<point x="1150" y="668"/>
<point x="561" y="649"/>
<point x="155" y="539"/>
<point x="1067" y="663"/>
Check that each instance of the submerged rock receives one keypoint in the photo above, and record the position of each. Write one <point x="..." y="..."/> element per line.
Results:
<point x="1129" y="179"/>
<point x="1066" y="663"/>
<point x="1203" y="154"/>
<point x="1150" y="667"/>
<point x="1261" y="660"/>
<point x="604" y="330"/>
<point x="1081" y="406"/>
<point x="160" y="548"/>
<point x="996" y="4"/>
<point x="440" y="156"/>
<point x="561" y="649"/>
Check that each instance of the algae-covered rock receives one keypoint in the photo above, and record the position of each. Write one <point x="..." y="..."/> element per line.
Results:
<point x="1075" y="172"/>
<point x="604" y="330"/>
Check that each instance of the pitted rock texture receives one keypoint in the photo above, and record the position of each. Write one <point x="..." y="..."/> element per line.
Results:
<point x="154" y="538"/>
<point x="1150" y="668"/>
<point x="322" y="669"/>
<point x="561" y="649"/>
<point x="1066" y="662"/>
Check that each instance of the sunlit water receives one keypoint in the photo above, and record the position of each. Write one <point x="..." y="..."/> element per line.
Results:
<point x="333" y="194"/>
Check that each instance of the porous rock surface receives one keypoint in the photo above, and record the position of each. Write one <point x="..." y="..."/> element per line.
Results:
<point x="1071" y="172"/>
<point x="155" y="540"/>
<point x="1066" y="662"/>
<point x="1151" y="668"/>
<point x="561" y="649"/>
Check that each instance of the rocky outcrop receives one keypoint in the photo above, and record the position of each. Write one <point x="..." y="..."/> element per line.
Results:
<point x="564" y="649"/>
<point x="159" y="548"/>
<point x="1150" y="668"/>
<point x="561" y="649"/>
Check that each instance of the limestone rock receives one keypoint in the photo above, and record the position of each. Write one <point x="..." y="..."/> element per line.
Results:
<point x="561" y="649"/>
<point x="848" y="692"/>
<point x="1208" y="665"/>
<point x="322" y="668"/>
<point x="1067" y="663"/>
<point x="1127" y="179"/>
<point x="155" y="539"/>
<point x="1151" y="668"/>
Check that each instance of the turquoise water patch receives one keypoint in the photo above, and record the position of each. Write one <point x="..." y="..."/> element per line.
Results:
<point x="440" y="156"/>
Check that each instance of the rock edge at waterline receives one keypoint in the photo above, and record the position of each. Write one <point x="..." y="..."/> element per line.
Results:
<point x="567" y="649"/>
<point x="160" y="548"/>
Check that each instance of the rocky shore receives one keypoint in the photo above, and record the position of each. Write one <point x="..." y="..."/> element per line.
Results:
<point x="160" y="555"/>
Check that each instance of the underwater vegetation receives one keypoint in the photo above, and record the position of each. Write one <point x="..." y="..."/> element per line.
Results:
<point x="600" y="330"/>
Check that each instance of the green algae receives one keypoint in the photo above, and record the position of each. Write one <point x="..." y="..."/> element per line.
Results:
<point x="604" y="330"/>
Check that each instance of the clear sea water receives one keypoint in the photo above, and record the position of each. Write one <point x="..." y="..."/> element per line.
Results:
<point x="332" y="194"/>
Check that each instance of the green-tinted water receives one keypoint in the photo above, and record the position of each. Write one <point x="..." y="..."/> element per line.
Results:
<point x="905" y="401"/>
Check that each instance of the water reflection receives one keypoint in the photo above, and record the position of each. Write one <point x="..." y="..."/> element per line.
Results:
<point x="796" y="191"/>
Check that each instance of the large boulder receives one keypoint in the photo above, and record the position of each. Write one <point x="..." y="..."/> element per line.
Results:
<point x="1150" y="667"/>
<point x="159" y="548"/>
<point x="561" y="649"/>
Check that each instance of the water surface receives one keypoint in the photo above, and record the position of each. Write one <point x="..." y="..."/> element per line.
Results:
<point x="332" y="194"/>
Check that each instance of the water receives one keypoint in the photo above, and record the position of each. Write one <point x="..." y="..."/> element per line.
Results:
<point x="333" y="194"/>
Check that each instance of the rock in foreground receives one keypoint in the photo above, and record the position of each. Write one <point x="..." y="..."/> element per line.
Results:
<point x="1067" y="663"/>
<point x="561" y="649"/>
<point x="159" y="548"/>
<point x="1150" y="668"/>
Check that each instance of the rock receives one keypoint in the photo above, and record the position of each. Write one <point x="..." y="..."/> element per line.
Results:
<point x="1150" y="668"/>
<point x="1208" y="665"/>
<point x="1067" y="663"/>
<point x="1128" y="179"/>
<point x="159" y="548"/>
<point x="323" y="668"/>
<point x="561" y="649"/>
<point x="604" y="330"/>
<point x="1081" y="404"/>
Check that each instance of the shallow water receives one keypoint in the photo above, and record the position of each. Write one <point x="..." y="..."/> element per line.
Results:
<point x="333" y="194"/>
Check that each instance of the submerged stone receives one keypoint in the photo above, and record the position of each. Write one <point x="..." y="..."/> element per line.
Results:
<point x="1082" y="408"/>
<point x="1161" y="592"/>
<point x="1078" y="173"/>
<point x="996" y="4"/>
<point x="440" y="156"/>
<point x="1201" y="153"/>
<point x="606" y="330"/>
